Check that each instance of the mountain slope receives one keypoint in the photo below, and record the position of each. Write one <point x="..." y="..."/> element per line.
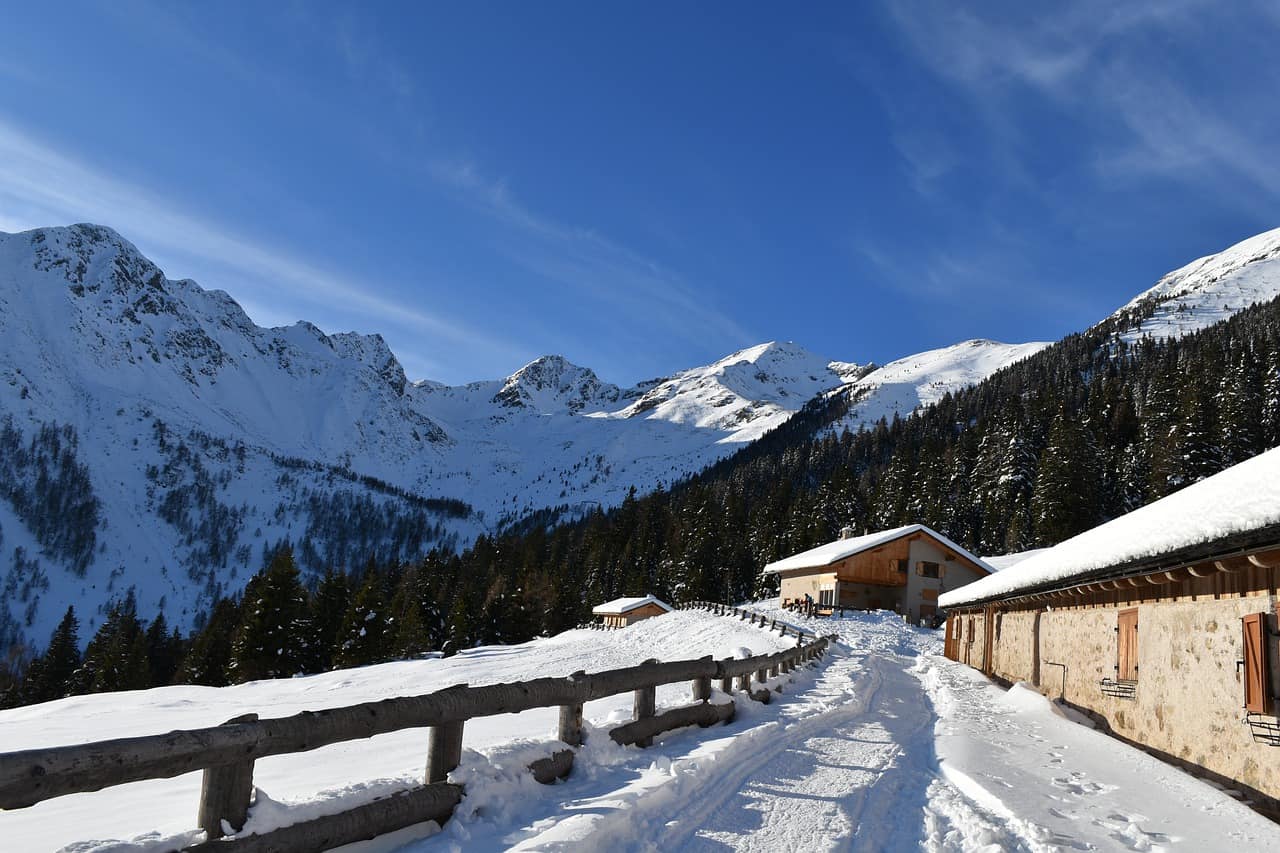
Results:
<point x="1206" y="290"/>
<point x="902" y="386"/>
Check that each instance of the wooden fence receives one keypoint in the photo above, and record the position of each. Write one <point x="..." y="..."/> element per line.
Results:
<point x="752" y="617"/>
<point x="226" y="753"/>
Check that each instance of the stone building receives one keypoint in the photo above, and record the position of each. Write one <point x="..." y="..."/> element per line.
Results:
<point x="1160" y="624"/>
<point x="904" y="569"/>
<point x="622" y="612"/>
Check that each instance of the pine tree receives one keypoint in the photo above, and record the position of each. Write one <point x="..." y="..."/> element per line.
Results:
<point x="209" y="656"/>
<point x="116" y="657"/>
<point x="273" y="637"/>
<point x="328" y="609"/>
<point x="409" y="634"/>
<point x="165" y="650"/>
<point x="1066" y="499"/>
<point x="52" y="675"/>
<point x="366" y="633"/>
<point x="460" y="625"/>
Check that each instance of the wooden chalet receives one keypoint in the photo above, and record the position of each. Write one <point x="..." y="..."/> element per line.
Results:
<point x="622" y="612"/>
<point x="904" y="569"/>
<point x="1160" y="624"/>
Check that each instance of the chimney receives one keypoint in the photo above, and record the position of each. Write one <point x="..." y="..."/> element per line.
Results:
<point x="846" y="532"/>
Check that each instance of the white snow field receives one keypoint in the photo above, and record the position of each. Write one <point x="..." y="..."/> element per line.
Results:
<point x="1208" y="289"/>
<point x="883" y="746"/>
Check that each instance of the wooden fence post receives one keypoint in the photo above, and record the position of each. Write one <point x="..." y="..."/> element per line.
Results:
<point x="744" y="683"/>
<point x="726" y="681"/>
<point x="225" y="792"/>
<point x="571" y="724"/>
<point x="644" y="706"/>
<point x="702" y="689"/>
<point x="444" y="747"/>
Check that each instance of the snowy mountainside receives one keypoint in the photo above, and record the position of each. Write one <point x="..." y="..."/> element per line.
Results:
<point x="154" y="439"/>
<point x="1207" y="290"/>
<point x="747" y="393"/>
<point x="554" y="435"/>
<point x="902" y="386"/>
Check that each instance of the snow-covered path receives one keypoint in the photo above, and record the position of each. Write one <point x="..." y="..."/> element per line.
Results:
<point x="888" y="747"/>
<point x="850" y="773"/>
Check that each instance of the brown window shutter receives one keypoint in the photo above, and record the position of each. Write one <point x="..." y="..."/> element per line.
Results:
<point x="920" y="568"/>
<point x="1127" y="645"/>
<point x="942" y="571"/>
<point x="1256" y="693"/>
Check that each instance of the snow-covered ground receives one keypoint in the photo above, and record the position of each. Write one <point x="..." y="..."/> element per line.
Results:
<point x="884" y="746"/>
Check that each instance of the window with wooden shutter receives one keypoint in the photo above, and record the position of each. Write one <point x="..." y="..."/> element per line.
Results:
<point x="1127" y="645"/>
<point x="1257" y="698"/>
<point x="926" y="569"/>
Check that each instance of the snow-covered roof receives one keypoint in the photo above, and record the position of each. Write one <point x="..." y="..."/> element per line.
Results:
<point x="1242" y="499"/>
<point x="834" y="552"/>
<point x="1008" y="561"/>
<point x="626" y="605"/>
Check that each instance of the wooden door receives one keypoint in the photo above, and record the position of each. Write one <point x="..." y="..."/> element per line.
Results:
<point x="1256" y="688"/>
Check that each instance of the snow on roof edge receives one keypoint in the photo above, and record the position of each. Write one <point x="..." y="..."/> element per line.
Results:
<point x="840" y="549"/>
<point x="1194" y="523"/>
<point x="626" y="605"/>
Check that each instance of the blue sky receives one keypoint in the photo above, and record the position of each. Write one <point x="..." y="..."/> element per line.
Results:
<point x="646" y="187"/>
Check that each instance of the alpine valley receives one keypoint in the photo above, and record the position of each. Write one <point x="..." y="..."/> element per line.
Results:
<point x="154" y="440"/>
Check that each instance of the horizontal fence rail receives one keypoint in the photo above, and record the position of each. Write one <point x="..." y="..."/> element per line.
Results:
<point x="226" y="753"/>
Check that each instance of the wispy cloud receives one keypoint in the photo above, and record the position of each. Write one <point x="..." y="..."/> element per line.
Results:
<point x="591" y="263"/>
<point x="1108" y="68"/>
<point x="40" y="185"/>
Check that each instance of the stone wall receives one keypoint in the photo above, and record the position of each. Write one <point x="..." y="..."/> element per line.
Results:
<point x="1188" y="701"/>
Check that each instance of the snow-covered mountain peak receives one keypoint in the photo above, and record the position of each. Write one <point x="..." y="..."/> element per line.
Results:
<point x="1207" y="290"/>
<point x="552" y="383"/>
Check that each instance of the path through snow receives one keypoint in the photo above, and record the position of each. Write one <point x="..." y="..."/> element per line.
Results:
<point x="887" y="747"/>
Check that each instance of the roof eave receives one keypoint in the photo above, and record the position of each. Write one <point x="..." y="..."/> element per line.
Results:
<point x="1226" y="547"/>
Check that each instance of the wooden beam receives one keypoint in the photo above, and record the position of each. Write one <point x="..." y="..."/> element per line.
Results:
<point x="555" y="766"/>
<point x="643" y="729"/>
<point x="644" y="703"/>
<point x="444" y="751"/>
<point x="570" y="727"/>
<point x="428" y="803"/>
<point x="225" y="792"/>
<point x="1266" y="559"/>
